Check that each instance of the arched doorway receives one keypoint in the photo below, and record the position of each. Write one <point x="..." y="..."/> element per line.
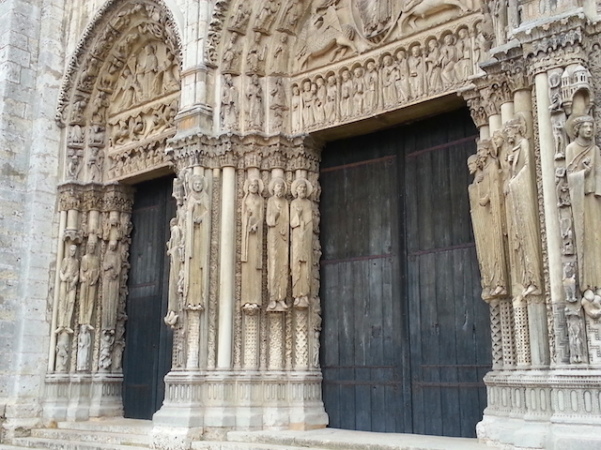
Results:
<point x="406" y="336"/>
<point x="118" y="106"/>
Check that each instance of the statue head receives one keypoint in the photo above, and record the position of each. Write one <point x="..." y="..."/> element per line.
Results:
<point x="301" y="188"/>
<point x="91" y="246"/>
<point x="277" y="187"/>
<point x="472" y="163"/>
<point x="72" y="249"/>
<point x="584" y="127"/>
<point x="196" y="182"/>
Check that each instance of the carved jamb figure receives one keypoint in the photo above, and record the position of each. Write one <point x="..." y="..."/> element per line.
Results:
<point x="89" y="275"/>
<point x="69" y="276"/>
<point x="301" y="258"/>
<point x="522" y="217"/>
<point x="252" y="242"/>
<point x="278" y="222"/>
<point x="111" y="269"/>
<point x="584" y="182"/>
<point x="197" y="221"/>
<point x="486" y="212"/>
<point x="175" y="251"/>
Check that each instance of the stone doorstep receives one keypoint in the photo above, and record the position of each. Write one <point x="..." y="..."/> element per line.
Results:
<point x="108" y="437"/>
<point x="336" y="439"/>
<point x="40" y="443"/>
<point x="110" y="425"/>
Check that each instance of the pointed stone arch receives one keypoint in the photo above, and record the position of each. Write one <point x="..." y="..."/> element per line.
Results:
<point x="118" y="103"/>
<point x="129" y="59"/>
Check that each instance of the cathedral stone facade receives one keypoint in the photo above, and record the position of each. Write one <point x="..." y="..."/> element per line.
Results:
<point x="235" y="101"/>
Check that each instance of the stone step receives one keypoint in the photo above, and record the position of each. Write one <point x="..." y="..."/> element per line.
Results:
<point x="53" y="444"/>
<point x="12" y="447"/>
<point x="111" y="425"/>
<point x="210" y="445"/>
<point x="108" y="437"/>
<point x="335" y="439"/>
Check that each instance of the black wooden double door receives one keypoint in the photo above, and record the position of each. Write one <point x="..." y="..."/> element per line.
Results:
<point x="405" y="340"/>
<point x="148" y="341"/>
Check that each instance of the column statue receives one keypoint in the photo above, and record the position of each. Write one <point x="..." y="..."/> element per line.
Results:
<point x="198" y="215"/>
<point x="301" y="223"/>
<point x="111" y="269"/>
<point x="522" y="216"/>
<point x="252" y="242"/>
<point x="89" y="274"/>
<point x="584" y="183"/>
<point x="69" y="276"/>
<point x="277" y="219"/>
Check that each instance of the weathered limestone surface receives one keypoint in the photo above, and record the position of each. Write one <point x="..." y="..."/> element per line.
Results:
<point x="31" y="61"/>
<point x="226" y="95"/>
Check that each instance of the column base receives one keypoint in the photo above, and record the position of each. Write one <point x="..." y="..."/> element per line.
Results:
<point x="79" y="398"/>
<point x="556" y="409"/>
<point x="106" y="395"/>
<point x="213" y="403"/>
<point x="56" y="398"/>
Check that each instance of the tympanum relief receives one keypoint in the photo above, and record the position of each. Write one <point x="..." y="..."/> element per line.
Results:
<point x="379" y="56"/>
<point x="125" y="99"/>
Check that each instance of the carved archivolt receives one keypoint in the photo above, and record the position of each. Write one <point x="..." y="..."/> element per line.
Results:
<point x="121" y="93"/>
<point x="303" y="66"/>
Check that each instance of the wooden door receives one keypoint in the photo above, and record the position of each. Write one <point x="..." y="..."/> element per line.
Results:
<point x="148" y="341"/>
<point x="405" y="340"/>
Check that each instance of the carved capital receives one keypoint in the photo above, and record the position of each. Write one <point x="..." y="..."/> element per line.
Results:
<point x="69" y="197"/>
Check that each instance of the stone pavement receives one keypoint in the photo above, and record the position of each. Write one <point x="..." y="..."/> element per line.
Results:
<point x="129" y="434"/>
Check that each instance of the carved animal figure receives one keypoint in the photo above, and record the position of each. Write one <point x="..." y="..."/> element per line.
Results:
<point x="420" y="9"/>
<point x="324" y="33"/>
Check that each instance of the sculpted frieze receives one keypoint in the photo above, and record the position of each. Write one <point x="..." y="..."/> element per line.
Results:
<point x="399" y="76"/>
